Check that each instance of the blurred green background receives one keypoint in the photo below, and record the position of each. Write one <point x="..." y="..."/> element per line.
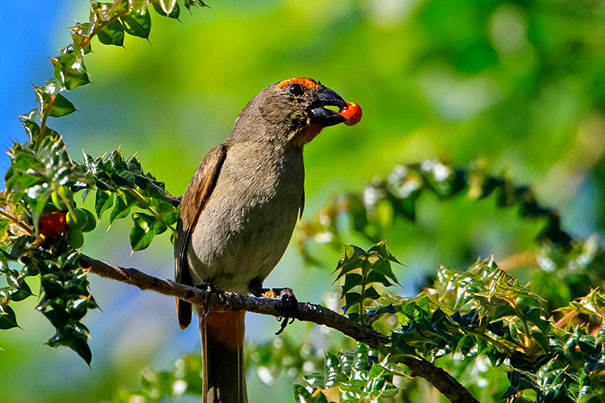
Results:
<point x="519" y="85"/>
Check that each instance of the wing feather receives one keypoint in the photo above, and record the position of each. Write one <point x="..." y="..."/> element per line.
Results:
<point x="193" y="202"/>
<point x="302" y="205"/>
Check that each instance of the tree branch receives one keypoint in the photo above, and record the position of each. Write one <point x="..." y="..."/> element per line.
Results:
<point x="227" y="301"/>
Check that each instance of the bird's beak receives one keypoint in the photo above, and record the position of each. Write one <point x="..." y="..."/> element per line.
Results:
<point x="326" y="117"/>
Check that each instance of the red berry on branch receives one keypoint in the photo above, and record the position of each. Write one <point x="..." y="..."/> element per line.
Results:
<point x="52" y="224"/>
<point x="352" y="112"/>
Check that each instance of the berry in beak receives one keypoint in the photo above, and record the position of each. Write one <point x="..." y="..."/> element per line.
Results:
<point x="327" y="117"/>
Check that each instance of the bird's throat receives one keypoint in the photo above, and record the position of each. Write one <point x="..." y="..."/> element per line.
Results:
<point x="312" y="130"/>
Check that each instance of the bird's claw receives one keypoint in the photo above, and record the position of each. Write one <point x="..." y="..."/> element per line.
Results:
<point x="283" y="325"/>
<point x="289" y="308"/>
<point x="289" y="304"/>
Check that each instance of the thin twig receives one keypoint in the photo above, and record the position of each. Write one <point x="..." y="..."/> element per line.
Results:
<point x="45" y="114"/>
<point x="17" y="222"/>
<point x="227" y="301"/>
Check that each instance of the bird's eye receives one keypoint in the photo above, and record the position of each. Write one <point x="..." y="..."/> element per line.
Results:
<point x="295" y="89"/>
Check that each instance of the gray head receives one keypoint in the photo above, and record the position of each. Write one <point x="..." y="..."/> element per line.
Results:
<point x="290" y="112"/>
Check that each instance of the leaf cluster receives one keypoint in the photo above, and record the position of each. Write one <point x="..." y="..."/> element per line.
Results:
<point x="270" y="360"/>
<point x="282" y="356"/>
<point x="157" y="385"/>
<point x="351" y="376"/>
<point x="373" y="210"/>
<point x="362" y="271"/>
<point x="561" y="276"/>
<point x="123" y="187"/>
<point x="38" y="170"/>
<point x="475" y="314"/>
<point x="41" y="222"/>
<point x="480" y="323"/>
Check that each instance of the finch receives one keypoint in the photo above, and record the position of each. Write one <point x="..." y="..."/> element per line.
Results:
<point x="238" y="213"/>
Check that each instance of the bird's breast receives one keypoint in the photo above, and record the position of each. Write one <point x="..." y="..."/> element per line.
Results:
<point x="247" y="224"/>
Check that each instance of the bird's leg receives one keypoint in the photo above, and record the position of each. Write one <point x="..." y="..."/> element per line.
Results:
<point x="289" y="303"/>
<point x="208" y="287"/>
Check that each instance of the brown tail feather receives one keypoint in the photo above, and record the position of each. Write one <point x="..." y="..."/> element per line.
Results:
<point x="222" y="336"/>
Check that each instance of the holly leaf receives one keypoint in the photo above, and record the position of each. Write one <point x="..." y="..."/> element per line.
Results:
<point x="167" y="8"/>
<point x="142" y="232"/>
<point x="52" y="101"/>
<point x="137" y="23"/>
<point x="70" y="71"/>
<point x="8" y="319"/>
<point x="74" y="336"/>
<point x="112" y="34"/>
<point x="61" y="107"/>
<point x="103" y="201"/>
<point x="351" y="280"/>
<point x="120" y="209"/>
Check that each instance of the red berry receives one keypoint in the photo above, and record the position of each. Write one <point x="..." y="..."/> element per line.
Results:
<point x="352" y="112"/>
<point x="52" y="224"/>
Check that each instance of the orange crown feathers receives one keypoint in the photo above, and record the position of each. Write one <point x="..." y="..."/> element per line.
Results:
<point x="305" y="82"/>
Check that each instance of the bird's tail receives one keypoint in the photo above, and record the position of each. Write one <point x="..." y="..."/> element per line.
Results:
<point x="224" y="376"/>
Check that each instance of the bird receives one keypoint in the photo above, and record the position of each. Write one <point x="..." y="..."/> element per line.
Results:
<point x="239" y="211"/>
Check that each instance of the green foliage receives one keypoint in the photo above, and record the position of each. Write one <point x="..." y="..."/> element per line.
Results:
<point x="42" y="224"/>
<point x="361" y="272"/>
<point x="479" y="324"/>
<point x="562" y="276"/>
<point x="375" y="209"/>
<point x="270" y="360"/>
<point x="285" y="355"/>
<point x="352" y="376"/>
<point x="533" y="334"/>
<point x="123" y="186"/>
<point x="481" y="312"/>
<point x="155" y="386"/>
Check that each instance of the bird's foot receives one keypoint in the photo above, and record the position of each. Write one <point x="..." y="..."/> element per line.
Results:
<point x="289" y="304"/>
<point x="289" y="308"/>
<point x="209" y="288"/>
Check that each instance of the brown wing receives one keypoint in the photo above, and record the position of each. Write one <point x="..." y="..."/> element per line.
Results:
<point x="193" y="202"/>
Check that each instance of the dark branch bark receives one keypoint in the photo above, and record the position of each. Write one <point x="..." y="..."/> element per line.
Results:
<point x="226" y="301"/>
